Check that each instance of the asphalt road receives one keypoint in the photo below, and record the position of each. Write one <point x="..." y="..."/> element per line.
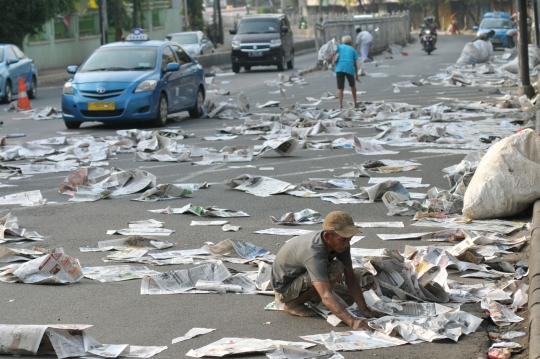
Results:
<point x="117" y="310"/>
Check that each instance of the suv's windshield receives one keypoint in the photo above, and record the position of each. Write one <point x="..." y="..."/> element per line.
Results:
<point x="121" y="59"/>
<point x="496" y="24"/>
<point x="258" y="26"/>
<point x="183" y="39"/>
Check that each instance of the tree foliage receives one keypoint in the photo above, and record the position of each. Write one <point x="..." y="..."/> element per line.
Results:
<point x="26" y="17"/>
<point x="429" y="5"/>
<point x="195" y="11"/>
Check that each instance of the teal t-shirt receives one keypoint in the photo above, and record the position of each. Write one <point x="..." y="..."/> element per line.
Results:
<point x="346" y="59"/>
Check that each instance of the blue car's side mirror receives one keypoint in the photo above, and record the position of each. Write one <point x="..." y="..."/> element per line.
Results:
<point x="173" y="66"/>
<point x="72" y="69"/>
<point x="13" y="60"/>
<point x="475" y="28"/>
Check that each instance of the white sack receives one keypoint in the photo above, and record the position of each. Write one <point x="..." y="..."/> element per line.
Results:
<point x="534" y="60"/>
<point x="328" y="50"/>
<point x="507" y="178"/>
<point x="475" y="52"/>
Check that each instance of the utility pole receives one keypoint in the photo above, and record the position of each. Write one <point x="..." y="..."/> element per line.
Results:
<point x="220" y="22"/>
<point x="536" y="29"/>
<point x="102" y="7"/>
<point x="525" y="88"/>
<point x="186" y="15"/>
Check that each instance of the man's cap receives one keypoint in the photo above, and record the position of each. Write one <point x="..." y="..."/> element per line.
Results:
<point x="341" y="223"/>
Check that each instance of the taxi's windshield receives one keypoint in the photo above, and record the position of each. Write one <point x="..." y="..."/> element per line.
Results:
<point x="121" y="59"/>
<point x="496" y="24"/>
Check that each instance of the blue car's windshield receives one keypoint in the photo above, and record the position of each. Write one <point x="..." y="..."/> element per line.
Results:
<point x="496" y="24"/>
<point x="121" y="59"/>
<point x="257" y="26"/>
<point x="184" y="39"/>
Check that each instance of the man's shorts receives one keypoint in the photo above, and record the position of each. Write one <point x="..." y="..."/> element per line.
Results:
<point x="300" y="284"/>
<point x="340" y="76"/>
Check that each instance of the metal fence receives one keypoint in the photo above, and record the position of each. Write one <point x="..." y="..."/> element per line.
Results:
<point x="386" y="29"/>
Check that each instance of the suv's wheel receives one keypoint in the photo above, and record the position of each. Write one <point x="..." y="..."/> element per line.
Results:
<point x="290" y="63"/>
<point x="32" y="93"/>
<point x="247" y="68"/>
<point x="235" y="68"/>
<point x="196" y="111"/>
<point x="72" y="125"/>
<point x="8" y="94"/>
<point x="162" y="112"/>
<point x="282" y="64"/>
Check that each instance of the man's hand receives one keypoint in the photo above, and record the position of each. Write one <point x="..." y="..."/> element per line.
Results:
<point x="360" y="324"/>
<point x="357" y="78"/>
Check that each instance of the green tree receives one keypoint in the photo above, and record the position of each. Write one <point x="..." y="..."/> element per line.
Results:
<point x="195" y="13"/>
<point x="26" y="17"/>
<point x="118" y="17"/>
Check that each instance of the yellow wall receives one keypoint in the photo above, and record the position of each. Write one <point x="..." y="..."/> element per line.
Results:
<point x="445" y="11"/>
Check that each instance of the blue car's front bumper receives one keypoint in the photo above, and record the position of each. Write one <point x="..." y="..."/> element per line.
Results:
<point x="129" y="106"/>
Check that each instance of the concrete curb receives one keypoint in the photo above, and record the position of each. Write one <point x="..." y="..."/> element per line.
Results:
<point x="219" y="59"/>
<point x="534" y="285"/>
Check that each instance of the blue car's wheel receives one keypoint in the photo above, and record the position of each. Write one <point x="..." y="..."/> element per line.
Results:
<point x="162" y="112"/>
<point x="196" y="111"/>
<point x="32" y="93"/>
<point x="72" y="125"/>
<point x="8" y="94"/>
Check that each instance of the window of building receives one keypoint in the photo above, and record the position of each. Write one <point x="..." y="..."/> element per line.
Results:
<point x="157" y="17"/>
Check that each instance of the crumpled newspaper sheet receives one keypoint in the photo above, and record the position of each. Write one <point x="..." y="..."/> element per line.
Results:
<point x="231" y="346"/>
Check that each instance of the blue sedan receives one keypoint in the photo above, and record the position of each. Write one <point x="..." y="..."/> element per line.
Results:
<point x="500" y="25"/>
<point x="14" y="64"/>
<point x="134" y="80"/>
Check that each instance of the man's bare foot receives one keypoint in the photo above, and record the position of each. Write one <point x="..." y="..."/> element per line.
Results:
<point x="299" y="310"/>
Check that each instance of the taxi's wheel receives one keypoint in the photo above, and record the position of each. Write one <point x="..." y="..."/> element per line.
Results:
<point x="197" y="112"/>
<point x="8" y="94"/>
<point x="33" y="89"/>
<point x="161" y="117"/>
<point x="72" y="125"/>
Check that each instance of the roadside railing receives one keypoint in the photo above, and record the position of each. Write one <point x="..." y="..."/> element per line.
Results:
<point x="386" y="29"/>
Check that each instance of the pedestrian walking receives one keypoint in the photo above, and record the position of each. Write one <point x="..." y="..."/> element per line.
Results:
<point x="363" y="43"/>
<point x="453" y="24"/>
<point x="346" y="68"/>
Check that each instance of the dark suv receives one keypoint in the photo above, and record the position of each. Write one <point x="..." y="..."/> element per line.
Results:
<point x="262" y="40"/>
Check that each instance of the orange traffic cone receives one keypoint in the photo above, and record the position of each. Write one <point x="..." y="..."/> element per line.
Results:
<point x="22" y="101"/>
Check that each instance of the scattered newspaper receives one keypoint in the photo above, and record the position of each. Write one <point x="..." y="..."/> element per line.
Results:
<point x="232" y="346"/>
<point x="65" y="340"/>
<point x="10" y="231"/>
<point x="354" y="340"/>
<point x="184" y="280"/>
<point x="164" y="192"/>
<point x="53" y="268"/>
<point x="25" y="199"/>
<point x="284" y="231"/>
<point x="258" y="185"/>
<point x="500" y="314"/>
<point x="117" y="273"/>
<point x="201" y="211"/>
<point x="305" y="216"/>
<point x="192" y="333"/>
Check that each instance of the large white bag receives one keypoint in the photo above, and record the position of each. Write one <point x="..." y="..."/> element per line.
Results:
<point x="475" y="52"/>
<point x="534" y="59"/>
<point x="328" y="50"/>
<point x="507" y="179"/>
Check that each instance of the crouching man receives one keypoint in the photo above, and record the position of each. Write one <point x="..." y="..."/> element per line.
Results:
<point x="310" y="264"/>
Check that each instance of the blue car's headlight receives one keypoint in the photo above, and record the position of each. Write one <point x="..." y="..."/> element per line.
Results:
<point x="146" y="85"/>
<point x="68" y="88"/>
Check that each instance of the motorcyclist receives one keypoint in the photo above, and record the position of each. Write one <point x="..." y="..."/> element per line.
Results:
<point x="429" y="25"/>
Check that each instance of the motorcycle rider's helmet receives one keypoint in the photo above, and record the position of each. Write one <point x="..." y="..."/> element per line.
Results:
<point x="428" y="20"/>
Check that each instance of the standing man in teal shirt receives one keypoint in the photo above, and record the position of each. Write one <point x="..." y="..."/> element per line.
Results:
<point x="346" y="68"/>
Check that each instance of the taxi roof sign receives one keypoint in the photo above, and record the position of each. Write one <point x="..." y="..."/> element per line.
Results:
<point x="137" y="35"/>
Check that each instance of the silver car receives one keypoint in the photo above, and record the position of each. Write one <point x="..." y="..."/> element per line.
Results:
<point x="193" y="42"/>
